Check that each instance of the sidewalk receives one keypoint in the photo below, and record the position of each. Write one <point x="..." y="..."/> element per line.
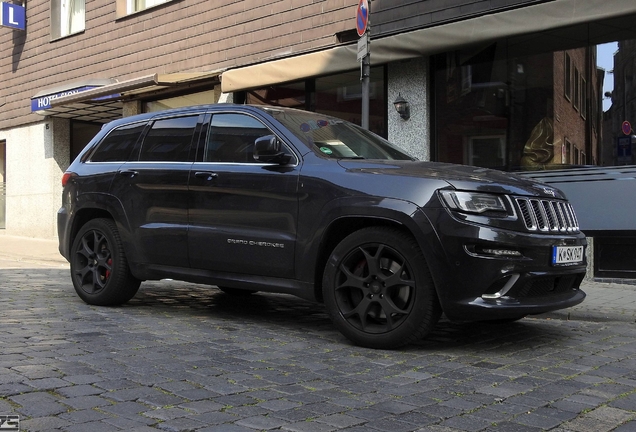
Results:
<point x="604" y="302"/>
<point x="27" y="249"/>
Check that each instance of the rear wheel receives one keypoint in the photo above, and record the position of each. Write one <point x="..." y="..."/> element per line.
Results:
<point x="378" y="290"/>
<point x="99" y="268"/>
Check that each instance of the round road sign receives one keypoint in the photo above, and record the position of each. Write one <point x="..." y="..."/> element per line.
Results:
<point x="626" y="127"/>
<point x="362" y="17"/>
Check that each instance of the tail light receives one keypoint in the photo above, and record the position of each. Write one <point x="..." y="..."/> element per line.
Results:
<point x="66" y="177"/>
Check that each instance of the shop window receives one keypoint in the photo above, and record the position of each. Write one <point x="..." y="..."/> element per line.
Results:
<point x="509" y="105"/>
<point x="339" y="95"/>
<point x="199" y="98"/>
<point x="67" y="17"/>
<point x="487" y="152"/>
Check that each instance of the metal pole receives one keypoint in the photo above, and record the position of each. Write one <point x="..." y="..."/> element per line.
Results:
<point x="366" y="72"/>
<point x="366" y="77"/>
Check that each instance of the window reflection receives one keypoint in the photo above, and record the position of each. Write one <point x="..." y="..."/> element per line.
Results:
<point x="515" y="109"/>
<point x="338" y="95"/>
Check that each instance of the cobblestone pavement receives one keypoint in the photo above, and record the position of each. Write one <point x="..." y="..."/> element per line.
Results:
<point x="181" y="357"/>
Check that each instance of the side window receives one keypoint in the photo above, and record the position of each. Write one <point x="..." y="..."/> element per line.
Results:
<point x="231" y="138"/>
<point x="169" y="140"/>
<point x="118" y="145"/>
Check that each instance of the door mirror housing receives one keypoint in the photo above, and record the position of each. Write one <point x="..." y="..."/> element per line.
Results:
<point x="269" y="149"/>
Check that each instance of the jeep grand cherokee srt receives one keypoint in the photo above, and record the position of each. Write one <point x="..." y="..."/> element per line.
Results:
<point x="254" y="198"/>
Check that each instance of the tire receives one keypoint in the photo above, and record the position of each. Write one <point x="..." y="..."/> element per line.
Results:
<point x="237" y="291"/>
<point x="99" y="268"/>
<point x="378" y="290"/>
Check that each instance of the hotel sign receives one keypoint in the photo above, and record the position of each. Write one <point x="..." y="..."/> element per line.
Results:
<point x="12" y="15"/>
<point x="44" y="102"/>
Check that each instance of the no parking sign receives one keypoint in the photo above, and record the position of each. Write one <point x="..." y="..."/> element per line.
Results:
<point x="362" y="17"/>
<point x="626" y="127"/>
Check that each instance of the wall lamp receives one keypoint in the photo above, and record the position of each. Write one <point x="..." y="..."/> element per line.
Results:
<point x="402" y="107"/>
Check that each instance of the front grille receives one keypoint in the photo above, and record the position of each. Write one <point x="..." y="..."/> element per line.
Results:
<point x="547" y="215"/>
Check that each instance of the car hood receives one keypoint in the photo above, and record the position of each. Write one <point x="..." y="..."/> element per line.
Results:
<point x="460" y="177"/>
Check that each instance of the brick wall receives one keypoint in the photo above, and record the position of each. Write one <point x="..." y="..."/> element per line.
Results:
<point x="181" y="35"/>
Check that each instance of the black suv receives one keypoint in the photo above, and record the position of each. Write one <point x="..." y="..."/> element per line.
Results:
<point x="254" y="198"/>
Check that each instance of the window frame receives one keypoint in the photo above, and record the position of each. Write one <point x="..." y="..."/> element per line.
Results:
<point x="56" y="20"/>
<point x="576" y="90"/>
<point x="125" y="8"/>
<point x="567" y="88"/>
<point x="583" y="103"/>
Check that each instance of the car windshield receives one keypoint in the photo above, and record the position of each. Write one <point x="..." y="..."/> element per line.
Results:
<point x="336" y="138"/>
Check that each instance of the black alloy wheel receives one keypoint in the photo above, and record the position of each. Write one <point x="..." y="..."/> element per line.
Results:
<point x="99" y="268"/>
<point x="378" y="290"/>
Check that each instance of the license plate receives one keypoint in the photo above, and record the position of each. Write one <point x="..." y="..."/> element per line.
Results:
<point x="567" y="255"/>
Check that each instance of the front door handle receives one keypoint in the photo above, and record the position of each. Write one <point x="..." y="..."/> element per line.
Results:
<point x="129" y="173"/>
<point x="207" y="175"/>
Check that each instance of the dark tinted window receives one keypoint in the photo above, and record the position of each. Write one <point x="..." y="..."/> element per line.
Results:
<point x="231" y="138"/>
<point x="118" y="144"/>
<point x="169" y="140"/>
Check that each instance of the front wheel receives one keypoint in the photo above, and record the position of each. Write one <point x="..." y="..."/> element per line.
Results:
<point x="378" y="290"/>
<point x="99" y="268"/>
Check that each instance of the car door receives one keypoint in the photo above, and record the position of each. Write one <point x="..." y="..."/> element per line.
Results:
<point x="243" y="214"/>
<point x="153" y="190"/>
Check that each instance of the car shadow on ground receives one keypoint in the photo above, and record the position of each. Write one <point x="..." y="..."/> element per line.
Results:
<point x="280" y="311"/>
<point x="287" y="311"/>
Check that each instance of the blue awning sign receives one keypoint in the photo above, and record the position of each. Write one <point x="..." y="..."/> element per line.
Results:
<point x="42" y="103"/>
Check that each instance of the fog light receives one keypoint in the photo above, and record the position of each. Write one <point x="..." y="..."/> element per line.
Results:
<point x="502" y="252"/>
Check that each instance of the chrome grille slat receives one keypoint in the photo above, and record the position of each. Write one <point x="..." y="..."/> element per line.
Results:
<point x="546" y="215"/>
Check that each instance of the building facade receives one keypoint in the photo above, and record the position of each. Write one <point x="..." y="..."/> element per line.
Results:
<point x="506" y="84"/>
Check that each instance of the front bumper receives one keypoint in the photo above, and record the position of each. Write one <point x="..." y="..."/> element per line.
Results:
<point x="474" y="284"/>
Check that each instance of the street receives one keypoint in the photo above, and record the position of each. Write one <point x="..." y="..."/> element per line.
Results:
<point x="181" y="357"/>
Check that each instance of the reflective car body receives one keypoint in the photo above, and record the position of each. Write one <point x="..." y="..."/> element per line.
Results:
<point x="274" y="216"/>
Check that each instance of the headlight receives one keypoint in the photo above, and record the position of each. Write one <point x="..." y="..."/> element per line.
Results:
<point x="473" y="202"/>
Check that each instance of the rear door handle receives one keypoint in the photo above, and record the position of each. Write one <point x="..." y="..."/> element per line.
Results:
<point x="129" y="173"/>
<point x="207" y="175"/>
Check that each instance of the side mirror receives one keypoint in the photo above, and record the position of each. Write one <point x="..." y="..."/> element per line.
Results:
<point x="269" y="149"/>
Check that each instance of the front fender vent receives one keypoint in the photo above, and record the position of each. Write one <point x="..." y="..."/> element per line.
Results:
<point x="547" y="215"/>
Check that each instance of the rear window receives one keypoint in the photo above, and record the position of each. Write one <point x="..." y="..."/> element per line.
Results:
<point x="118" y="144"/>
